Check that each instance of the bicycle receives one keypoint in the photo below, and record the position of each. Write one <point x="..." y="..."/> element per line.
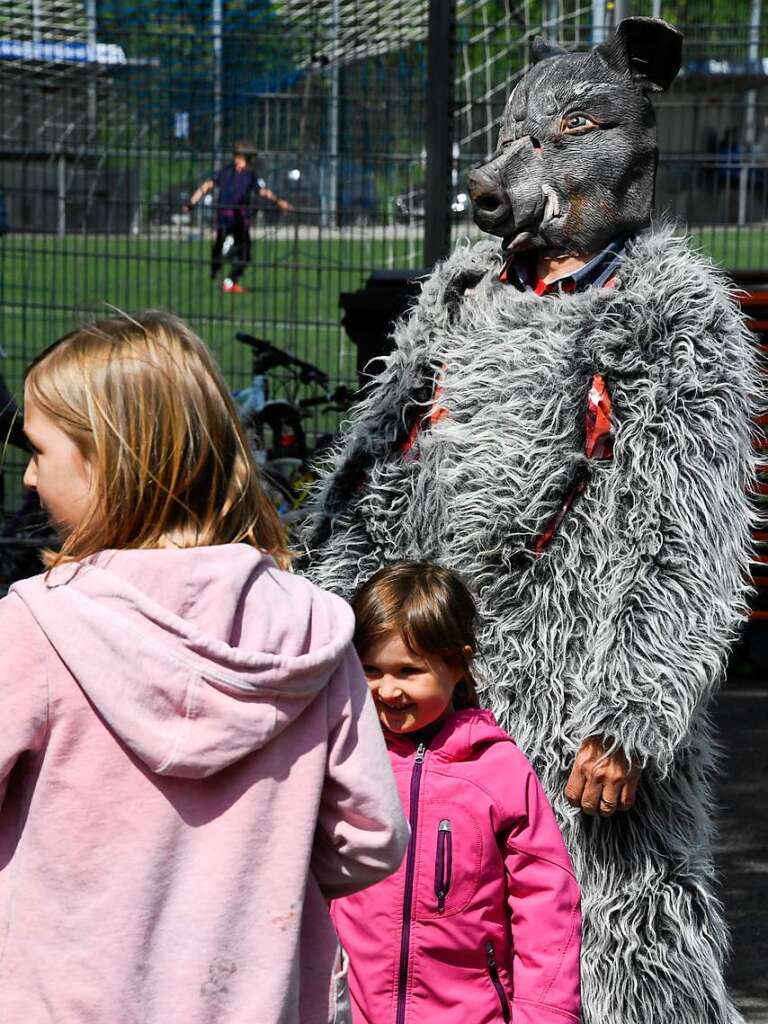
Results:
<point x="287" y="463"/>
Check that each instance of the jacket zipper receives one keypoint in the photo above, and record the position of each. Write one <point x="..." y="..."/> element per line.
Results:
<point x="405" y="941"/>
<point x="443" y="863"/>
<point x="493" y="971"/>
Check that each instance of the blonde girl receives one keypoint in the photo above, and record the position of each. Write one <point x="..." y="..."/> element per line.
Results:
<point x="186" y="729"/>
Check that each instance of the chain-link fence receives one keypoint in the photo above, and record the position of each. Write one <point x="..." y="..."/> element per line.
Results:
<point x="114" y="112"/>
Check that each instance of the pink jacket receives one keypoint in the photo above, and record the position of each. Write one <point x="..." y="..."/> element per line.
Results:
<point x="190" y="766"/>
<point x="481" y="923"/>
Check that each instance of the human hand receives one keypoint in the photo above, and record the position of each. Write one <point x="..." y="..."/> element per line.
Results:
<point x="600" y="783"/>
<point x="285" y="206"/>
<point x="185" y="208"/>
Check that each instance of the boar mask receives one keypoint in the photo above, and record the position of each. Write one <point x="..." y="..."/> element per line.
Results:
<point x="575" y="163"/>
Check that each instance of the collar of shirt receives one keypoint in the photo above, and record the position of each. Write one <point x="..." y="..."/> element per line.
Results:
<point x="598" y="273"/>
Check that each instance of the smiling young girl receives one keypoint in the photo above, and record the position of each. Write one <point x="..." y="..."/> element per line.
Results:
<point x="481" y="923"/>
<point x="190" y="762"/>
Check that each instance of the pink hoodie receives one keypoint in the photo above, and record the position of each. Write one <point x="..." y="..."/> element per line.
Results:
<point x="190" y="766"/>
<point x="481" y="923"/>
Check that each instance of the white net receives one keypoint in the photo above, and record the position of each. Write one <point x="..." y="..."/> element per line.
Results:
<point x="493" y="43"/>
<point x="349" y="30"/>
<point x="46" y="36"/>
<point x="40" y="20"/>
<point x="55" y="77"/>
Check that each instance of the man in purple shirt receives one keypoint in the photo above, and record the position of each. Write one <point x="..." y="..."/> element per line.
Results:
<point x="237" y="186"/>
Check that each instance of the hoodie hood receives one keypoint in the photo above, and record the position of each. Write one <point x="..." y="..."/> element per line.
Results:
<point x="195" y="657"/>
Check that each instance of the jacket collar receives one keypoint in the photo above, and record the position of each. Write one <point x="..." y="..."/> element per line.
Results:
<point x="462" y="733"/>
<point x="518" y="270"/>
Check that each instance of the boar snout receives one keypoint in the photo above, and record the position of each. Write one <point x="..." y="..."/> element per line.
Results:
<point x="506" y="192"/>
<point x="489" y="198"/>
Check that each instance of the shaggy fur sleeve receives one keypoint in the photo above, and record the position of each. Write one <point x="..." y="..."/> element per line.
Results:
<point x="338" y="552"/>
<point x="674" y="562"/>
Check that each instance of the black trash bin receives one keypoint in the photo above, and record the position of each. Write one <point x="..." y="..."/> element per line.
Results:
<point x="371" y="313"/>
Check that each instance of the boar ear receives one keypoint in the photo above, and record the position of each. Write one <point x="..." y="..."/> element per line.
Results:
<point x="649" y="48"/>
<point x="541" y="48"/>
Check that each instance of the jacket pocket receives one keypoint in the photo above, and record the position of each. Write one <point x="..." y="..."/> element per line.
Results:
<point x="443" y="862"/>
<point x="493" y="973"/>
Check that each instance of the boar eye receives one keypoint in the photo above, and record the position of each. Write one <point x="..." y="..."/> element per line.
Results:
<point x="577" y="123"/>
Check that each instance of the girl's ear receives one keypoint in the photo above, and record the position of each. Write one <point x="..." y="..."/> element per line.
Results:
<point x="458" y="663"/>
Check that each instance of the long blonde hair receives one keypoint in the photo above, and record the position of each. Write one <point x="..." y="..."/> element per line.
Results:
<point x="145" y="403"/>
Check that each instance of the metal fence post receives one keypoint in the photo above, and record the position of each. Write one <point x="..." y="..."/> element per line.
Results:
<point x="92" y="23"/>
<point x="333" y="119"/>
<point x="217" y="13"/>
<point x="437" y="204"/>
<point x="750" y="104"/>
<point x="61" y="196"/>
<point x="620" y="11"/>
<point x="598" y="22"/>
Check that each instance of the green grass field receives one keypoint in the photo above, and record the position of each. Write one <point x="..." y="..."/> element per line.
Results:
<point x="734" y="248"/>
<point x="47" y="284"/>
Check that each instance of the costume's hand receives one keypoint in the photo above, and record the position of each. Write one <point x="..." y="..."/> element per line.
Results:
<point x="185" y="208"/>
<point x="601" y="784"/>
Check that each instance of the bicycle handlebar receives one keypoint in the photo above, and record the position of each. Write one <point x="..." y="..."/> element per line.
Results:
<point x="308" y="372"/>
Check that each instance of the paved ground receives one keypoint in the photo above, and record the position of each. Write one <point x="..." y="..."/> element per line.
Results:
<point x="742" y="847"/>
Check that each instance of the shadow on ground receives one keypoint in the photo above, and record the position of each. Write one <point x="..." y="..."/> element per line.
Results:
<point x="741" y="850"/>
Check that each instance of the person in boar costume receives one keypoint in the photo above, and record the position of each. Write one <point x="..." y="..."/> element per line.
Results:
<point x="565" y="420"/>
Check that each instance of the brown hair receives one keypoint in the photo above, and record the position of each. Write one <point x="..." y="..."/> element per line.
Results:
<point x="244" y="148"/>
<point x="147" y="406"/>
<point x="431" y="609"/>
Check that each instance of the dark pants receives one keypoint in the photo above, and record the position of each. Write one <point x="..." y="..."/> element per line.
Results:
<point x="241" y="250"/>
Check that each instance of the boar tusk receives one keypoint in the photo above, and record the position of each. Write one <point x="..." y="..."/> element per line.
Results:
<point x="552" y="206"/>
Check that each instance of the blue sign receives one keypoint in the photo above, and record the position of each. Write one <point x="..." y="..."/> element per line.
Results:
<point x="59" y="52"/>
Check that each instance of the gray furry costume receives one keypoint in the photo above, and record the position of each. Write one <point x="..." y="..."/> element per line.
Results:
<point x="621" y="625"/>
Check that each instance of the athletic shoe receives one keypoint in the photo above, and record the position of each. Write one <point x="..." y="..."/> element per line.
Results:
<point x="233" y="286"/>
